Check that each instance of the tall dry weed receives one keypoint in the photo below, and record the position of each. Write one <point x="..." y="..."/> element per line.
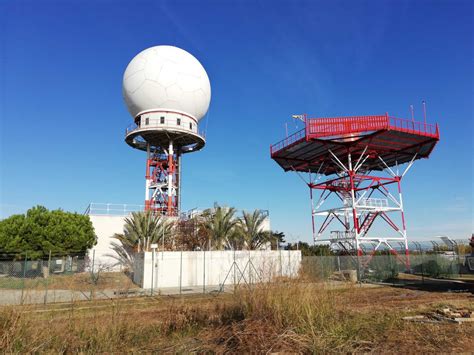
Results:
<point x="286" y="316"/>
<point x="295" y="316"/>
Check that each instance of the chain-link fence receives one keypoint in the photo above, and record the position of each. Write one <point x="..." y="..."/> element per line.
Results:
<point x="29" y="279"/>
<point x="426" y="262"/>
<point x="57" y="277"/>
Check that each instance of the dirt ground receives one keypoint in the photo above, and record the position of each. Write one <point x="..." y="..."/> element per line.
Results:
<point x="371" y="304"/>
<point x="417" y="337"/>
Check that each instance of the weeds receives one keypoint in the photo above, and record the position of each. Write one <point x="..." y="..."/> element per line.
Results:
<point x="285" y="316"/>
<point x="301" y="317"/>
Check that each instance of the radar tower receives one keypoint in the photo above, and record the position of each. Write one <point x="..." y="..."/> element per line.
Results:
<point x="167" y="92"/>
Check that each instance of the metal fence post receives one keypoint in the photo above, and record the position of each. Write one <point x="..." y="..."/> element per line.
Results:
<point x="359" y="271"/>
<point x="281" y="269"/>
<point x="390" y="266"/>
<point x="180" y="271"/>
<point x="233" y="265"/>
<point x="152" y="270"/>
<point x="459" y="262"/>
<point x="24" y="276"/>
<point x="420" y="249"/>
<point x="321" y="263"/>
<point x="92" y="274"/>
<point x="47" y="277"/>
<point x="250" y="271"/>
<point x="204" y="272"/>
<point x="93" y="261"/>
<point x="422" y="266"/>
<point x="290" y="274"/>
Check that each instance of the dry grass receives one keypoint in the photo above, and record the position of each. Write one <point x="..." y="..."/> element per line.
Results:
<point x="286" y="317"/>
<point x="80" y="282"/>
<point x="301" y="317"/>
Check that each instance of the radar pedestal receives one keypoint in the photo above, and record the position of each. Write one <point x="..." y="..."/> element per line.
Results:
<point x="165" y="136"/>
<point x="162" y="188"/>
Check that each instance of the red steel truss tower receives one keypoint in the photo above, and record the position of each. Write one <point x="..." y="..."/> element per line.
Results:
<point x="165" y="136"/>
<point x="354" y="169"/>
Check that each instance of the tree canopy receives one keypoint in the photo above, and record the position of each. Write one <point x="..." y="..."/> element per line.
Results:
<point x="40" y="231"/>
<point x="250" y="227"/>
<point x="224" y="229"/>
<point x="141" y="230"/>
<point x="220" y="226"/>
<point x="310" y="250"/>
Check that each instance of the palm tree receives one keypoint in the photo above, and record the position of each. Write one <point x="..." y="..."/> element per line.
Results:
<point x="251" y="229"/>
<point x="276" y="239"/>
<point x="140" y="231"/>
<point x="220" y="226"/>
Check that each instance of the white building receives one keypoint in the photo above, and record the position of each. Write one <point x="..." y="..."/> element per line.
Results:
<point x="109" y="219"/>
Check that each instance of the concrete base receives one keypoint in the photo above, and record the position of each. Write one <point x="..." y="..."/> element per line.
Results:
<point x="174" y="269"/>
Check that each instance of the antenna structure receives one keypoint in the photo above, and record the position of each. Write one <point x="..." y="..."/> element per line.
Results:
<point x="353" y="167"/>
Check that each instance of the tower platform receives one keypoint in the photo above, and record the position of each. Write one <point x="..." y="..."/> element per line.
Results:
<point x="395" y="140"/>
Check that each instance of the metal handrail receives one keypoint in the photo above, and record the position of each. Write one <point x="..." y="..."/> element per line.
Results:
<point x="155" y="123"/>
<point x="288" y="140"/>
<point x="334" y="126"/>
<point x="373" y="202"/>
<point x="413" y="126"/>
<point x="112" y="209"/>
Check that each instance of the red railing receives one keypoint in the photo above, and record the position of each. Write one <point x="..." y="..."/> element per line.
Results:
<point x="340" y="126"/>
<point x="288" y="141"/>
<point x="401" y="124"/>
<point x="324" y="127"/>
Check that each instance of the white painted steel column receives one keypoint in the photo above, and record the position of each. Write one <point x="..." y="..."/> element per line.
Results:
<point x="354" y="203"/>
<point x="147" y="178"/>
<point x="354" y="215"/>
<point x="170" y="172"/>
<point x="407" y="253"/>
<point x="178" y="191"/>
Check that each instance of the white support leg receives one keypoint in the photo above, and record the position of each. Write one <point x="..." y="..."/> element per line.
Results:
<point x="147" y="178"/>
<point x="170" y="174"/>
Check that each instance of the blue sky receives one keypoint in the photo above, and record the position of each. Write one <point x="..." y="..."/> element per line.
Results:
<point x="63" y="117"/>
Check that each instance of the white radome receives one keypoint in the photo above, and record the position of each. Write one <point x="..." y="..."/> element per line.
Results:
<point x="166" y="78"/>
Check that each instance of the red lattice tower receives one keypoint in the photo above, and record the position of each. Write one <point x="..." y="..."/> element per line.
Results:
<point x="165" y="135"/>
<point x="355" y="161"/>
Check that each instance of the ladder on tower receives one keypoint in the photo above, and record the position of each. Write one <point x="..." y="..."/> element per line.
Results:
<point x="368" y="219"/>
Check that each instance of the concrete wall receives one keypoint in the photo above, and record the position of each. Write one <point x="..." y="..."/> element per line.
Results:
<point x="212" y="268"/>
<point x="105" y="227"/>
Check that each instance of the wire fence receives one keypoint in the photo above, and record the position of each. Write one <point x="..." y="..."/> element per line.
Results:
<point x="58" y="277"/>
<point x="177" y="272"/>
<point x="389" y="267"/>
<point x="55" y="277"/>
<point x="429" y="262"/>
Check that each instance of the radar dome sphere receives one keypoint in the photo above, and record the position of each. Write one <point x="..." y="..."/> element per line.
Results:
<point x="166" y="78"/>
